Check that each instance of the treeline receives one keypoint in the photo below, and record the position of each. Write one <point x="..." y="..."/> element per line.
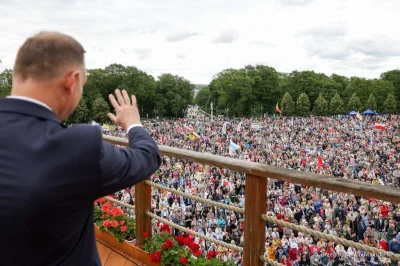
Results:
<point x="249" y="91"/>
<point x="169" y="95"/>
<point x="255" y="90"/>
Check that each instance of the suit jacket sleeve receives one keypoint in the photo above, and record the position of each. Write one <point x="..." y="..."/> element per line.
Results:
<point x="124" y="167"/>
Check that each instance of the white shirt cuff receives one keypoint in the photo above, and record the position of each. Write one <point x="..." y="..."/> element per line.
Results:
<point x="132" y="126"/>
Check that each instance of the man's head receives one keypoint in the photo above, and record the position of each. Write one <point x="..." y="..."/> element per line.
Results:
<point x="50" y="67"/>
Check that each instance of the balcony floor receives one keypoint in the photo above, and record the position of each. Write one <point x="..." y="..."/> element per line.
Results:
<point x="110" y="257"/>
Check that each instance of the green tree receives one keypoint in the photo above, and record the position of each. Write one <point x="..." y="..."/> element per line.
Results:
<point x="202" y="98"/>
<point x="173" y="95"/>
<point x="320" y="106"/>
<point x="360" y="86"/>
<point x="264" y="81"/>
<point x="96" y="85"/>
<point x="99" y="110"/>
<point x="336" y="106"/>
<point x="343" y="81"/>
<point x="390" y="104"/>
<point x="140" y="84"/>
<point x="393" y="76"/>
<point x="80" y="115"/>
<point x="5" y="82"/>
<point x="371" y="103"/>
<point x="354" y="103"/>
<point x="232" y="89"/>
<point x="287" y="104"/>
<point x="381" y="90"/>
<point x="303" y="105"/>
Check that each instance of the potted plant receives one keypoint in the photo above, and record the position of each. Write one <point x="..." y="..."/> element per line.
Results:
<point x="112" y="219"/>
<point x="167" y="250"/>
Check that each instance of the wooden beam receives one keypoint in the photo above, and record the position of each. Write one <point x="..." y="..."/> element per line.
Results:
<point x="142" y="205"/>
<point x="254" y="226"/>
<point x="364" y="189"/>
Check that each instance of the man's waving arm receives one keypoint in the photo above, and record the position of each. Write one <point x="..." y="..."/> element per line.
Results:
<point x="124" y="167"/>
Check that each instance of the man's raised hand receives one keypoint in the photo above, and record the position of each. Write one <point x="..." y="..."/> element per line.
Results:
<point x="126" y="109"/>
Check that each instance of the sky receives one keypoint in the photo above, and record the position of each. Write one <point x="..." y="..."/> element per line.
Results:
<point x="197" y="39"/>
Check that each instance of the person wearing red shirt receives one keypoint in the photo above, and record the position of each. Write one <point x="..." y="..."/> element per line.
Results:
<point x="383" y="245"/>
<point x="384" y="210"/>
<point x="285" y="261"/>
<point x="293" y="253"/>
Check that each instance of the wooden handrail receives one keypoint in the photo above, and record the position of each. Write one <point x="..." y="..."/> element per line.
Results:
<point x="364" y="189"/>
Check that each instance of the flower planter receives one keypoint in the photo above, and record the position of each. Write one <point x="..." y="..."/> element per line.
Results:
<point x="125" y="247"/>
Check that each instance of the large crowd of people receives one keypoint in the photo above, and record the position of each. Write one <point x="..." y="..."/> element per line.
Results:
<point x="341" y="146"/>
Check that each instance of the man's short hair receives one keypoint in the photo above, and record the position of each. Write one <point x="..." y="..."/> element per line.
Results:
<point x="46" y="55"/>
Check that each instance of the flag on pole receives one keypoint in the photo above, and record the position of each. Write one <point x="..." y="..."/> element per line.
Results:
<point x="239" y="127"/>
<point x="359" y="116"/>
<point x="224" y="128"/>
<point x="380" y="126"/>
<point x="232" y="148"/>
<point x="188" y="128"/>
<point x="320" y="162"/>
<point x="277" y="108"/>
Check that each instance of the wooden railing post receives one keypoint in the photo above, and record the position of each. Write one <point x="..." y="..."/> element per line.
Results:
<point x="142" y="204"/>
<point x="254" y="226"/>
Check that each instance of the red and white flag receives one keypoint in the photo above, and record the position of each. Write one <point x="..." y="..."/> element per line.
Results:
<point x="380" y="126"/>
<point x="188" y="128"/>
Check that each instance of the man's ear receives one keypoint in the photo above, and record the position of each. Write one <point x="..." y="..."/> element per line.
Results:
<point x="71" y="78"/>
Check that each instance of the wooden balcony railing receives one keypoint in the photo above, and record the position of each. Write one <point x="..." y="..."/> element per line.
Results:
<point x="256" y="197"/>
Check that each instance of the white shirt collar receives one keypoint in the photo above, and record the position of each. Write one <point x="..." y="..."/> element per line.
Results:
<point x="30" y="100"/>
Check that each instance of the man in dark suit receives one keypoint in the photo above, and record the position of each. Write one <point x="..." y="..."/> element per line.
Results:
<point x="49" y="174"/>
<point x="379" y="223"/>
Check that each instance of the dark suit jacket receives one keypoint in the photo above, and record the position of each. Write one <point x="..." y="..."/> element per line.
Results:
<point x="379" y="224"/>
<point x="49" y="177"/>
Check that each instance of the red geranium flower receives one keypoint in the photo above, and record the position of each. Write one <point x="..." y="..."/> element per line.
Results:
<point x="188" y="241"/>
<point x="145" y="234"/>
<point x="107" y="223"/>
<point x="183" y="261"/>
<point x="194" y="247"/>
<point x="197" y="253"/>
<point x="165" y="228"/>
<point x="116" y="212"/>
<point x="211" y="254"/>
<point x="155" y="256"/>
<point x="114" y="223"/>
<point x="167" y="244"/>
<point x="106" y="208"/>
<point x="123" y="228"/>
<point x="180" y="239"/>
<point x="101" y="200"/>
<point x="122" y="222"/>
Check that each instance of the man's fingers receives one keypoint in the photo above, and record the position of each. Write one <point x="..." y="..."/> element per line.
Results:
<point x="113" y="101"/>
<point x="134" y="100"/>
<point x="121" y="100"/>
<point x="112" y="117"/>
<point x="126" y="97"/>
